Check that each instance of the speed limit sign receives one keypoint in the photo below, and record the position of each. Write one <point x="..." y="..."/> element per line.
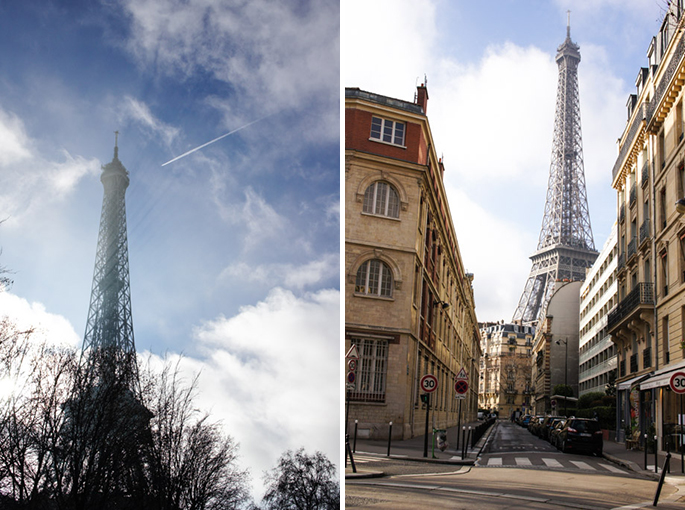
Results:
<point x="678" y="382"/>
<point x="429" y="383"/>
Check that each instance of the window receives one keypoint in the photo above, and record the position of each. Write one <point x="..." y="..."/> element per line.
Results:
<point x="373" y="366"/>
<point x="374" y="278"/>
<point x="387" y="131"/>
<point x="382" y="199"/>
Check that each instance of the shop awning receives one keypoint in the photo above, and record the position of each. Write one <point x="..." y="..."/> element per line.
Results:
<point x="626" y="385"/>
<point x="661" y="377"/>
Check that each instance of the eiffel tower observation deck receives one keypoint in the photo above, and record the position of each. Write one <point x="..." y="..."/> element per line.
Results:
<point x="565" y="247"/>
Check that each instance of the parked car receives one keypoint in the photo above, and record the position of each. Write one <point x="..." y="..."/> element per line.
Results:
<point x="525" y="419"/>
<point x="581" y="435"/>
<point x="554" y="432"/>
<point x="534" y="424"/>
<point x="547" y="425"/>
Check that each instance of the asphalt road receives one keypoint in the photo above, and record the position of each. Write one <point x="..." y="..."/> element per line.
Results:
<point x="529" y="473"/>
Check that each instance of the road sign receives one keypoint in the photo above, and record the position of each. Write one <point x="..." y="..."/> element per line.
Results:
<point x="678" y="382"/>
<point x="351" y="377"/>
<point x="460" y="396"/>
<point x="353" y="353"/>
<point x="461" y="386"/>
<point x="352" y="365"/>
<point x="429" y="383"/>
<point x="462" y="374"/>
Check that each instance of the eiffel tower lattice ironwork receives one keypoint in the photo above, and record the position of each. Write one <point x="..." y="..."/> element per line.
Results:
<point x="108" y="343"/>
<point x="565" y="247"/>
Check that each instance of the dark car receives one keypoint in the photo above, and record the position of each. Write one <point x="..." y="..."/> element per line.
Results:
<point x="547" y="425"/>
<point x="554" y="432"/>
<point x="534" y="424"/>
<point x="581" y="435"/>
<point x="525" y="420"/>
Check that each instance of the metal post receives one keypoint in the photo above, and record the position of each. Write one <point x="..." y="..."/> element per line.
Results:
<point x="468" y="441"/>
<point x="656" y="457"/>
<point x="645" y="452"/>
<point x="354" y="446"/>
<point x="348" y="451"/>
<point x="661" y="480"/>
<point x="682" y="426"/>
<point x="425" y="435"/>
<point x="458" y="423"/>
<point x="389" y="437"/>
<point x="566" y="379"/>
<point x="463" y="442"/>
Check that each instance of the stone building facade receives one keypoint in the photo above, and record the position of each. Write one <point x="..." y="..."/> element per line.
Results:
<point x="649" y="178"/>
<point x="505" y="369"/>
<point x="409" y="304"/>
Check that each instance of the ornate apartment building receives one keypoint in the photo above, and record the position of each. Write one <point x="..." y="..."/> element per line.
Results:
<point x="409" y="304"/>
<point x="598" y="296"/>
<point x="649" y="177"/>
<point x="505" y="371"/>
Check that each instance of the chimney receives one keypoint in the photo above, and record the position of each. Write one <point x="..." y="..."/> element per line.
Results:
<point x="422" y="97"/>
<point x="440" y="164"/>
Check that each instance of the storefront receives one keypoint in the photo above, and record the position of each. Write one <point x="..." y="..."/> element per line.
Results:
<point x="632" y="411"/>
<point x="670" y="408"/>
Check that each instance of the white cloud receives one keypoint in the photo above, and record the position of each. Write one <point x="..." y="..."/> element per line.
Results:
<point x="291" y="276"/>
<point x="139" y="112"/>
<point x="275" y="54"/>
<point x="28" y="181"/>
<point x="269" y="374"/>
<point x="48" y="327"/>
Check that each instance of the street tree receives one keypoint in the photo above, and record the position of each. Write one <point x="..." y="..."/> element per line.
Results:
<point x="302" y="482"/>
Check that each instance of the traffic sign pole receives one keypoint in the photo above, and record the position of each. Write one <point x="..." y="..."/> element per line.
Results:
<point x="425" y="436"/>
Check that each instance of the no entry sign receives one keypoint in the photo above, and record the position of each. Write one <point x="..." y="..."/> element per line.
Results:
<point x="678" y="382"/>
<point x="429" y="383"/>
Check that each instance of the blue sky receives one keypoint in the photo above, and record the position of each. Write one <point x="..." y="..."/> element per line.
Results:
<point x="234" y="249"/>
<point x="492" y="84"/>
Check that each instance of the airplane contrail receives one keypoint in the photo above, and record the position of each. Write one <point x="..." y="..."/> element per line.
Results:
<point x="215" y="140"/>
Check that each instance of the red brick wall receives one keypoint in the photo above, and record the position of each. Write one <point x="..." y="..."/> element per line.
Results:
<point x="358" y="129"/>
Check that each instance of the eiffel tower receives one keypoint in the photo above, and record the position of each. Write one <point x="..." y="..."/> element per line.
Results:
<point x="565" y="247"/>
<point x="108" y="341"/>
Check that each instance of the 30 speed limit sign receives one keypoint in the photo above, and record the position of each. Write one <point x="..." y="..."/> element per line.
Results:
<point x="429" y="383"/>
<point x="678" y="382"/>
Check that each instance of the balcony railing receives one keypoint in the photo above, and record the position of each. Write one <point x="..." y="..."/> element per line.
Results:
<point x="647" y="357"/>
<point x="632" y="247"/>
<point x="645" y="174"/>
<point x="643" y="294"/>
<point x="633" y="194"/>
<point x="621" y="261"/>
<point x="622" y="213"/>
<point x="644" y="231"/>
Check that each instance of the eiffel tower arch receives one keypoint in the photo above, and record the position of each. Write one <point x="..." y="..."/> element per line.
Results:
<point x="565" y="247"/>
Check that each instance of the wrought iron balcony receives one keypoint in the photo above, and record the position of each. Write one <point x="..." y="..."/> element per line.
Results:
<point x="644" y="231"/>
<point x="643" y="294"/>
<point x="621" y="261"/>
<point x="632" y="248"/>
<point x="645" y="174"/>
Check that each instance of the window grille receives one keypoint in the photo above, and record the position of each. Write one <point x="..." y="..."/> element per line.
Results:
<point x="372" y="370"/>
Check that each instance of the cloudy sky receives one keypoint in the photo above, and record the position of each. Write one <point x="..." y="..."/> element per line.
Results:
<point x="234" y="249"/>
<point x="492" y="84"/>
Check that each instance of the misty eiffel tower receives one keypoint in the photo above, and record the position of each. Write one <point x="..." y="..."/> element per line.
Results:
<point x="565" y="247"/>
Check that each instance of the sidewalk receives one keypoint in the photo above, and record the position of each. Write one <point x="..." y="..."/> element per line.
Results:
<point x="412" y="449"/>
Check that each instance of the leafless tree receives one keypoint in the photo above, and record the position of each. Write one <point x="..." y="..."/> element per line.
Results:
<point x="302" y="482"/>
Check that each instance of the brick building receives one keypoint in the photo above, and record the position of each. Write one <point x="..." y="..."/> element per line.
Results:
<point x="409" y="304"/>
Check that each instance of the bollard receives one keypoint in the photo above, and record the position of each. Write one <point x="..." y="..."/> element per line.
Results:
<point x="656" y="457"/>
<point x="645" y="452"/>
<point x="468" y="440"/>
<point x="463" y="441"/>
<point x="354" y="446"/>
<point x="667" y="467"/>
<point x="389" y="438"/>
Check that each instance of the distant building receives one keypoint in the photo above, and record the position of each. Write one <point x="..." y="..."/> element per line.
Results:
<point x="598" y="295"/>
<point x="648" y="323"/>
<point x="555" y="350"/>
<point x="409" y="304"/>
<point x="505" y="371"/>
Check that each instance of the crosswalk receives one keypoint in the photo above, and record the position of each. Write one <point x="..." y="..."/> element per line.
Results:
<point x="527" y="462"/>
<point x="365" y="459"/>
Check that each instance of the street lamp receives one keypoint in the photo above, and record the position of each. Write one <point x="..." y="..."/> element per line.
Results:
<point x="565" y="374"/>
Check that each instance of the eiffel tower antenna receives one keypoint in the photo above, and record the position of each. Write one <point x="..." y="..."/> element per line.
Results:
<point x="108" y="342"/>
<point x="565" y="247"/>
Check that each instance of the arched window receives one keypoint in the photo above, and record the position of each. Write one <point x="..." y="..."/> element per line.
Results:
<point x="374" y="278"/>
<point x="382" y="199"/>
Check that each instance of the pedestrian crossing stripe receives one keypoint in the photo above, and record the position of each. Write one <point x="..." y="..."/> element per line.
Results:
<point x="360" y="459"/>
<point x="582" y="465"/>
<point x="523" y="461"/>
<point x="551" y="463"/>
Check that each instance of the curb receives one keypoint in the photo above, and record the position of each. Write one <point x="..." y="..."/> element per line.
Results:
<point x="365" y="474"/>
<point x="632" y="466"/>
